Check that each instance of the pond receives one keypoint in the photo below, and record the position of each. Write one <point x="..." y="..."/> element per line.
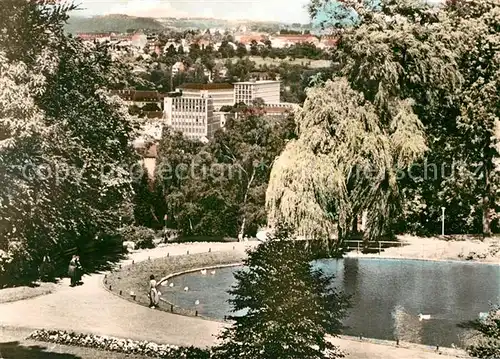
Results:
<point x="388" y="295"/>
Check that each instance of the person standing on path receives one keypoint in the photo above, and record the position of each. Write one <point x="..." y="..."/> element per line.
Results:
<point x="79" y="271"/>
<point x="46" y="270"/>
<point x="72" y="270"/>
<point x="154" y="297"/>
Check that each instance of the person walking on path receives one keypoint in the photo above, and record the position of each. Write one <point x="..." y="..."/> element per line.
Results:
<point x="154" y="296"/>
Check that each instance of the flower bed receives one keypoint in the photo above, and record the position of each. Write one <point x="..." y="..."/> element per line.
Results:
<point x="126" y="346"/>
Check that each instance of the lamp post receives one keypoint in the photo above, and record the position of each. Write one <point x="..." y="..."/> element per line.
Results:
<point x="442" y="221"/>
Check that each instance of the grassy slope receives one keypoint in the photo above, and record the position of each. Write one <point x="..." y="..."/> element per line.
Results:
<point x="136" y="277"/>
<point x="25" y="292"/>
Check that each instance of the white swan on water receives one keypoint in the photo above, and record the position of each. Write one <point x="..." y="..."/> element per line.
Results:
<point x="203" y="271"/>
<point x="212" y="272"/>
<point x="186" y="289"/>
<point x="424" y="316"/>
<point x="171" y="285"/>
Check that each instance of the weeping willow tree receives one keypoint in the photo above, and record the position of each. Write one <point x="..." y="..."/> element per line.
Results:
<point x="359" y="133"/>
<point x="345" y="161"/>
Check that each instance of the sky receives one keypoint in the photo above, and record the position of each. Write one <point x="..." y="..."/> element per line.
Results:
<point x="265" y="10"/>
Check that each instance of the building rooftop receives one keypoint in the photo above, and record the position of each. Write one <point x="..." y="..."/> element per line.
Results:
<point x="140" y="96"/>
<point x="211" y="86"/>
<point x="196" y="97"/>
<point x="256" y="82"/>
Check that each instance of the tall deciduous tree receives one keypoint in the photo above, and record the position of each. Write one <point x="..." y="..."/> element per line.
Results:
<point x="218" y="189"/>
<point x="478" y="23"/>
<point x="460" y="172"/>
<point x="65" y="144"/>
<point x="248" y="147"/>
<point x="403" y="64"/>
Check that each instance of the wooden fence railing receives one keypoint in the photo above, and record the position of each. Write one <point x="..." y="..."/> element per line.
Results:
<point x="360" y="245"/>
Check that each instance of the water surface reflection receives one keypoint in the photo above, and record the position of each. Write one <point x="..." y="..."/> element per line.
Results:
<point x="387" y="296"/>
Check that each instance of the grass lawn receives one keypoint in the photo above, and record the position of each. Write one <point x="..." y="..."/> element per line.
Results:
<point x="14" y="346"/>
<point x="25" y="292"/>
<point x="135" y="277"/>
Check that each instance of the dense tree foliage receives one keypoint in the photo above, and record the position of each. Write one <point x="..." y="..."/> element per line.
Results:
<point x="218" y="189"/>
<point x="488" y="345"/>
<point x="290" y="307"/>
<point x="64" y="143"/>
<point x="405" y="93"/>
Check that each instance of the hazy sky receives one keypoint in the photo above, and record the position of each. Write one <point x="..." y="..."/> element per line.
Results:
<point x="268" y="10"/>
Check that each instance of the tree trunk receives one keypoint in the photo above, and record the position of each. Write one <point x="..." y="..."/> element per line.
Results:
<point x="340" y="236"/>
<point x="242" y="230"/>
<point x="245" y="198"/>
<point x="364" y="229"/>
<point x="364" y="218"/>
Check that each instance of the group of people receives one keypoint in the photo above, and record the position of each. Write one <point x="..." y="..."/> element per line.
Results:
<point x="75" y="270"/>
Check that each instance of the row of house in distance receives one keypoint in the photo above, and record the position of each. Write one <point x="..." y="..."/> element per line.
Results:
<point x="139" y="41"/>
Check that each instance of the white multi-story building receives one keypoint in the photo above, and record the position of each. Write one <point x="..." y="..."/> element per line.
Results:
<point x="247" y="92"/>
<point x="191" y="115"/>
<point x="222" y="94"/>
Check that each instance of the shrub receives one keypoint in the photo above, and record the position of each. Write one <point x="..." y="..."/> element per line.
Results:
<point x="16" y="266"/>
<point x="142" y="237"/>
<point x="290" y="307"/>
<point x="488" y="346"/>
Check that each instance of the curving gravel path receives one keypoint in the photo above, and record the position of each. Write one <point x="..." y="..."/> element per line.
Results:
<point x="91" y="308"/>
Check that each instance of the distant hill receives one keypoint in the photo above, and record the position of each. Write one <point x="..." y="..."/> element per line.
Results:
<point x="208" y="23"/>
<point x="111" y="23"/>
<point x="122" y="23"/>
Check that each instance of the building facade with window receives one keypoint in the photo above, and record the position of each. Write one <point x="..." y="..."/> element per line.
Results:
<point x="222" y="94"/>
<point x="191" y="115"/>
<point x="248" y="91"/>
